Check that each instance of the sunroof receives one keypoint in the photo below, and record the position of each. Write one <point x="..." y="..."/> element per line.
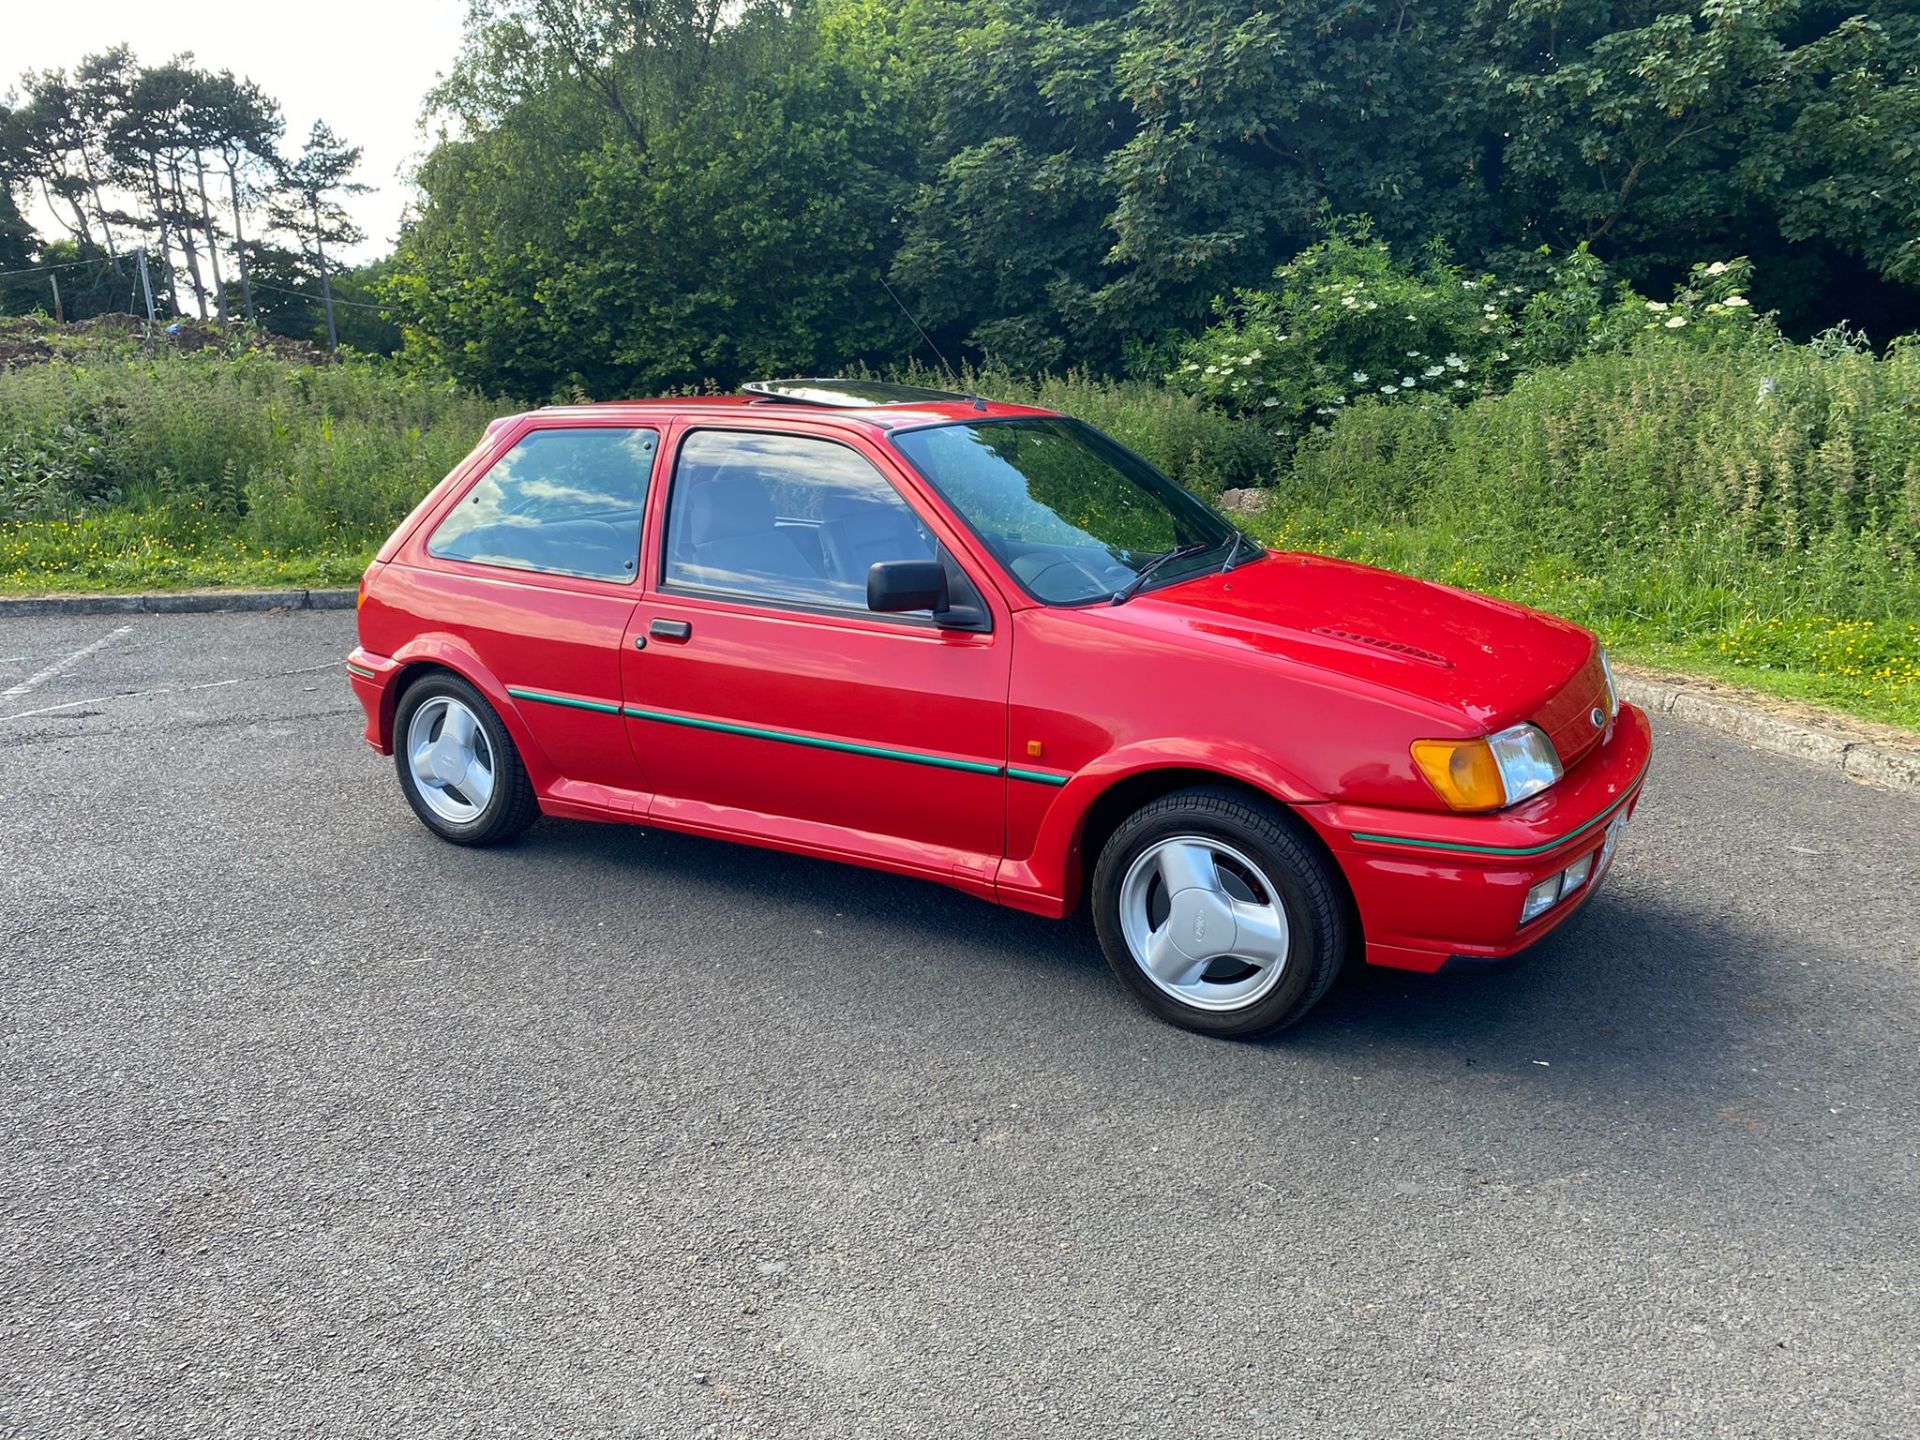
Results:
<point x="849" y="392"/>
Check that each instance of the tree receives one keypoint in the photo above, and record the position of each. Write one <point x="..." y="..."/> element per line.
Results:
<point x="1007" y="242"/>
<point x="246" y="136"/>
<point x="703" y="207"/>
<point x="306" y="205"/>
<point x="16" y="236"/>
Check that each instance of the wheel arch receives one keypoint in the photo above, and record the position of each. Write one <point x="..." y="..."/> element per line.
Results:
<point x="432" y="654"/>
<point x="1127" y="791"/>
<point x="1131" y="793"/>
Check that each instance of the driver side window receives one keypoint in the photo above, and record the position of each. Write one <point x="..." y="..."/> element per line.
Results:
<point x="785" y="518"/>
<point x="566" y="502"/>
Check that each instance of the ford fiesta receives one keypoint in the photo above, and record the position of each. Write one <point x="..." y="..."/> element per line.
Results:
<point x="983" y="644"/>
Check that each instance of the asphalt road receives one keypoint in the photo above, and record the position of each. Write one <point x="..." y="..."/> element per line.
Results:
<point x="314" y="1125"/>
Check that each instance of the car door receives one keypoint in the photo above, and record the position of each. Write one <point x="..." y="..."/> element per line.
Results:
<point x="535" y="569"/>
<point x="766" y="701"/>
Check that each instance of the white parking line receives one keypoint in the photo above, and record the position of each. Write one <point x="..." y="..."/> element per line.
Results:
<point x="63" y="664"/>
<point x="167" y="690"/>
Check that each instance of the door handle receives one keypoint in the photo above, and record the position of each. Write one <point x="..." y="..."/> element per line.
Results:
<point x="678" y="630"/>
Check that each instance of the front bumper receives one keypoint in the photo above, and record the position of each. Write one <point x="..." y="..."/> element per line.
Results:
<point x="1431" y="886"/>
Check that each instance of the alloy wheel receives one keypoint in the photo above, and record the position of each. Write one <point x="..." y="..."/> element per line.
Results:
<point x="451" y="759"/>
<point x="1204" y="923"/>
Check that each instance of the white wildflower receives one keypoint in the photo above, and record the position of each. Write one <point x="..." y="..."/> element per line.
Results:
<point x="1458" y="383"/>
<point x="1676" y="322"/>
<point x="1718" y="267"/>
<point x="1434" y="370"/>
<point x="1738" y="302"/>
<point x="1657" y="306"/>
<point x="1407" y="382"/>
<point x="1268" y="403"/>
<point x="1389" y="389"/>
<point x="1454" y="362"/>
<point x="1359" y="377"/>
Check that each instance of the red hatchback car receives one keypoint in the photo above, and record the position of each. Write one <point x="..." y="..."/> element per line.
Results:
<point x="984" y="644"/>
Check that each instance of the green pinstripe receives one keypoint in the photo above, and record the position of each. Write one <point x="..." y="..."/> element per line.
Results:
<point x="1038" y="777"/>
<point x="361" y="671"/>
<point x="1516" y="851"/>
<point x="813" y="742"/>
<point x="786" y="737"/>
<point x="599" y="707"/>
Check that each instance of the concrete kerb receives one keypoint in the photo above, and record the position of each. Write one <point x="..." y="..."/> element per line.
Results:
<point x="175" y="602"/>
<point x="1872" y="754"/>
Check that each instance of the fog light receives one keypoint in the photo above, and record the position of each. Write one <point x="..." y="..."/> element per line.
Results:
<point x="1540" y="899"/>
<point x="1575" y="875"/>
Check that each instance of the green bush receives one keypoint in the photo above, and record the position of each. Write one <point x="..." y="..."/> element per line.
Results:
<point x="1349" y="323"/>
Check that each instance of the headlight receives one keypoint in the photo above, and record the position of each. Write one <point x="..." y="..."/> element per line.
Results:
<point x="1613" y="685"/>
<point x="1503" y="769"/>
<point x="1526" y="760"/>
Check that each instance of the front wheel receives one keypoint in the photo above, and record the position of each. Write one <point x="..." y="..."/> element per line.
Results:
<point x="1218" y="913"/>
<point x="458" y="766"/>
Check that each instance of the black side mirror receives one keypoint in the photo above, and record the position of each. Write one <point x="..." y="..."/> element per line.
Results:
<point x="896" y="585"/>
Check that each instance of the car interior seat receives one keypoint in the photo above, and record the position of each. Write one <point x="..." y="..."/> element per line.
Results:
<point x="857" y="533"/>
<point x="727" y="528"/>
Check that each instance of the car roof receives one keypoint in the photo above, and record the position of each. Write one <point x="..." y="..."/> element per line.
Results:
<point x="866" y="418"/>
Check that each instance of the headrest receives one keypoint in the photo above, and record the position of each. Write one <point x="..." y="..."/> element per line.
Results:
<point x="723" y="506"/>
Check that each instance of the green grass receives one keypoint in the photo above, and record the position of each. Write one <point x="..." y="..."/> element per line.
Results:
<point x="120" y="470"/>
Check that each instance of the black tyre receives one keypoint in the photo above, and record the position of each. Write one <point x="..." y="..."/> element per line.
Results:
<point x="458" y="765"/>
<point x="1218" y="913"/>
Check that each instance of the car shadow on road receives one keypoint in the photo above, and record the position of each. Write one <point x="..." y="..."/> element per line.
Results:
<point x="735" y="875"/>
<point x="1634" y="986"/>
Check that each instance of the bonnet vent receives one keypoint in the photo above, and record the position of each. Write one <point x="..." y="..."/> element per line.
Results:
<point x="1395" y="647"/>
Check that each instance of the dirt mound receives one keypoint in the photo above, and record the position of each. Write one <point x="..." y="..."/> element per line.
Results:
<point x="35" y="340"/>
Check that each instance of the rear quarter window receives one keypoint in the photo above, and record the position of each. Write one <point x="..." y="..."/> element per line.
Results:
<point x="560" y="502"/>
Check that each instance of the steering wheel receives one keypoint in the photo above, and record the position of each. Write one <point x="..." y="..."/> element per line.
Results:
<point x="1054" y="576"/>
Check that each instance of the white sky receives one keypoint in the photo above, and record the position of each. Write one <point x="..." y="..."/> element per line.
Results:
<point x="361" y="65"/>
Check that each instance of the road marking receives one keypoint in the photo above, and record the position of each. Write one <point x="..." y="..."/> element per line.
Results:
<point x="63" y="664"/>
<point x="166" y="690"/>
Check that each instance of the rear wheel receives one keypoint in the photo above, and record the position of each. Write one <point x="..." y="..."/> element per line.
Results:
<point x="458" y="766"/>
<point x="1218" y="914"/>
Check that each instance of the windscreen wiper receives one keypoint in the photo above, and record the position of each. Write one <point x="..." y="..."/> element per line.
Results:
<point x="1233" y="551"/>
<point x="1179" y="552"/>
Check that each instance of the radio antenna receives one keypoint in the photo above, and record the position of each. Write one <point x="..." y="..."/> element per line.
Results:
<point x="974" y="399"/>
